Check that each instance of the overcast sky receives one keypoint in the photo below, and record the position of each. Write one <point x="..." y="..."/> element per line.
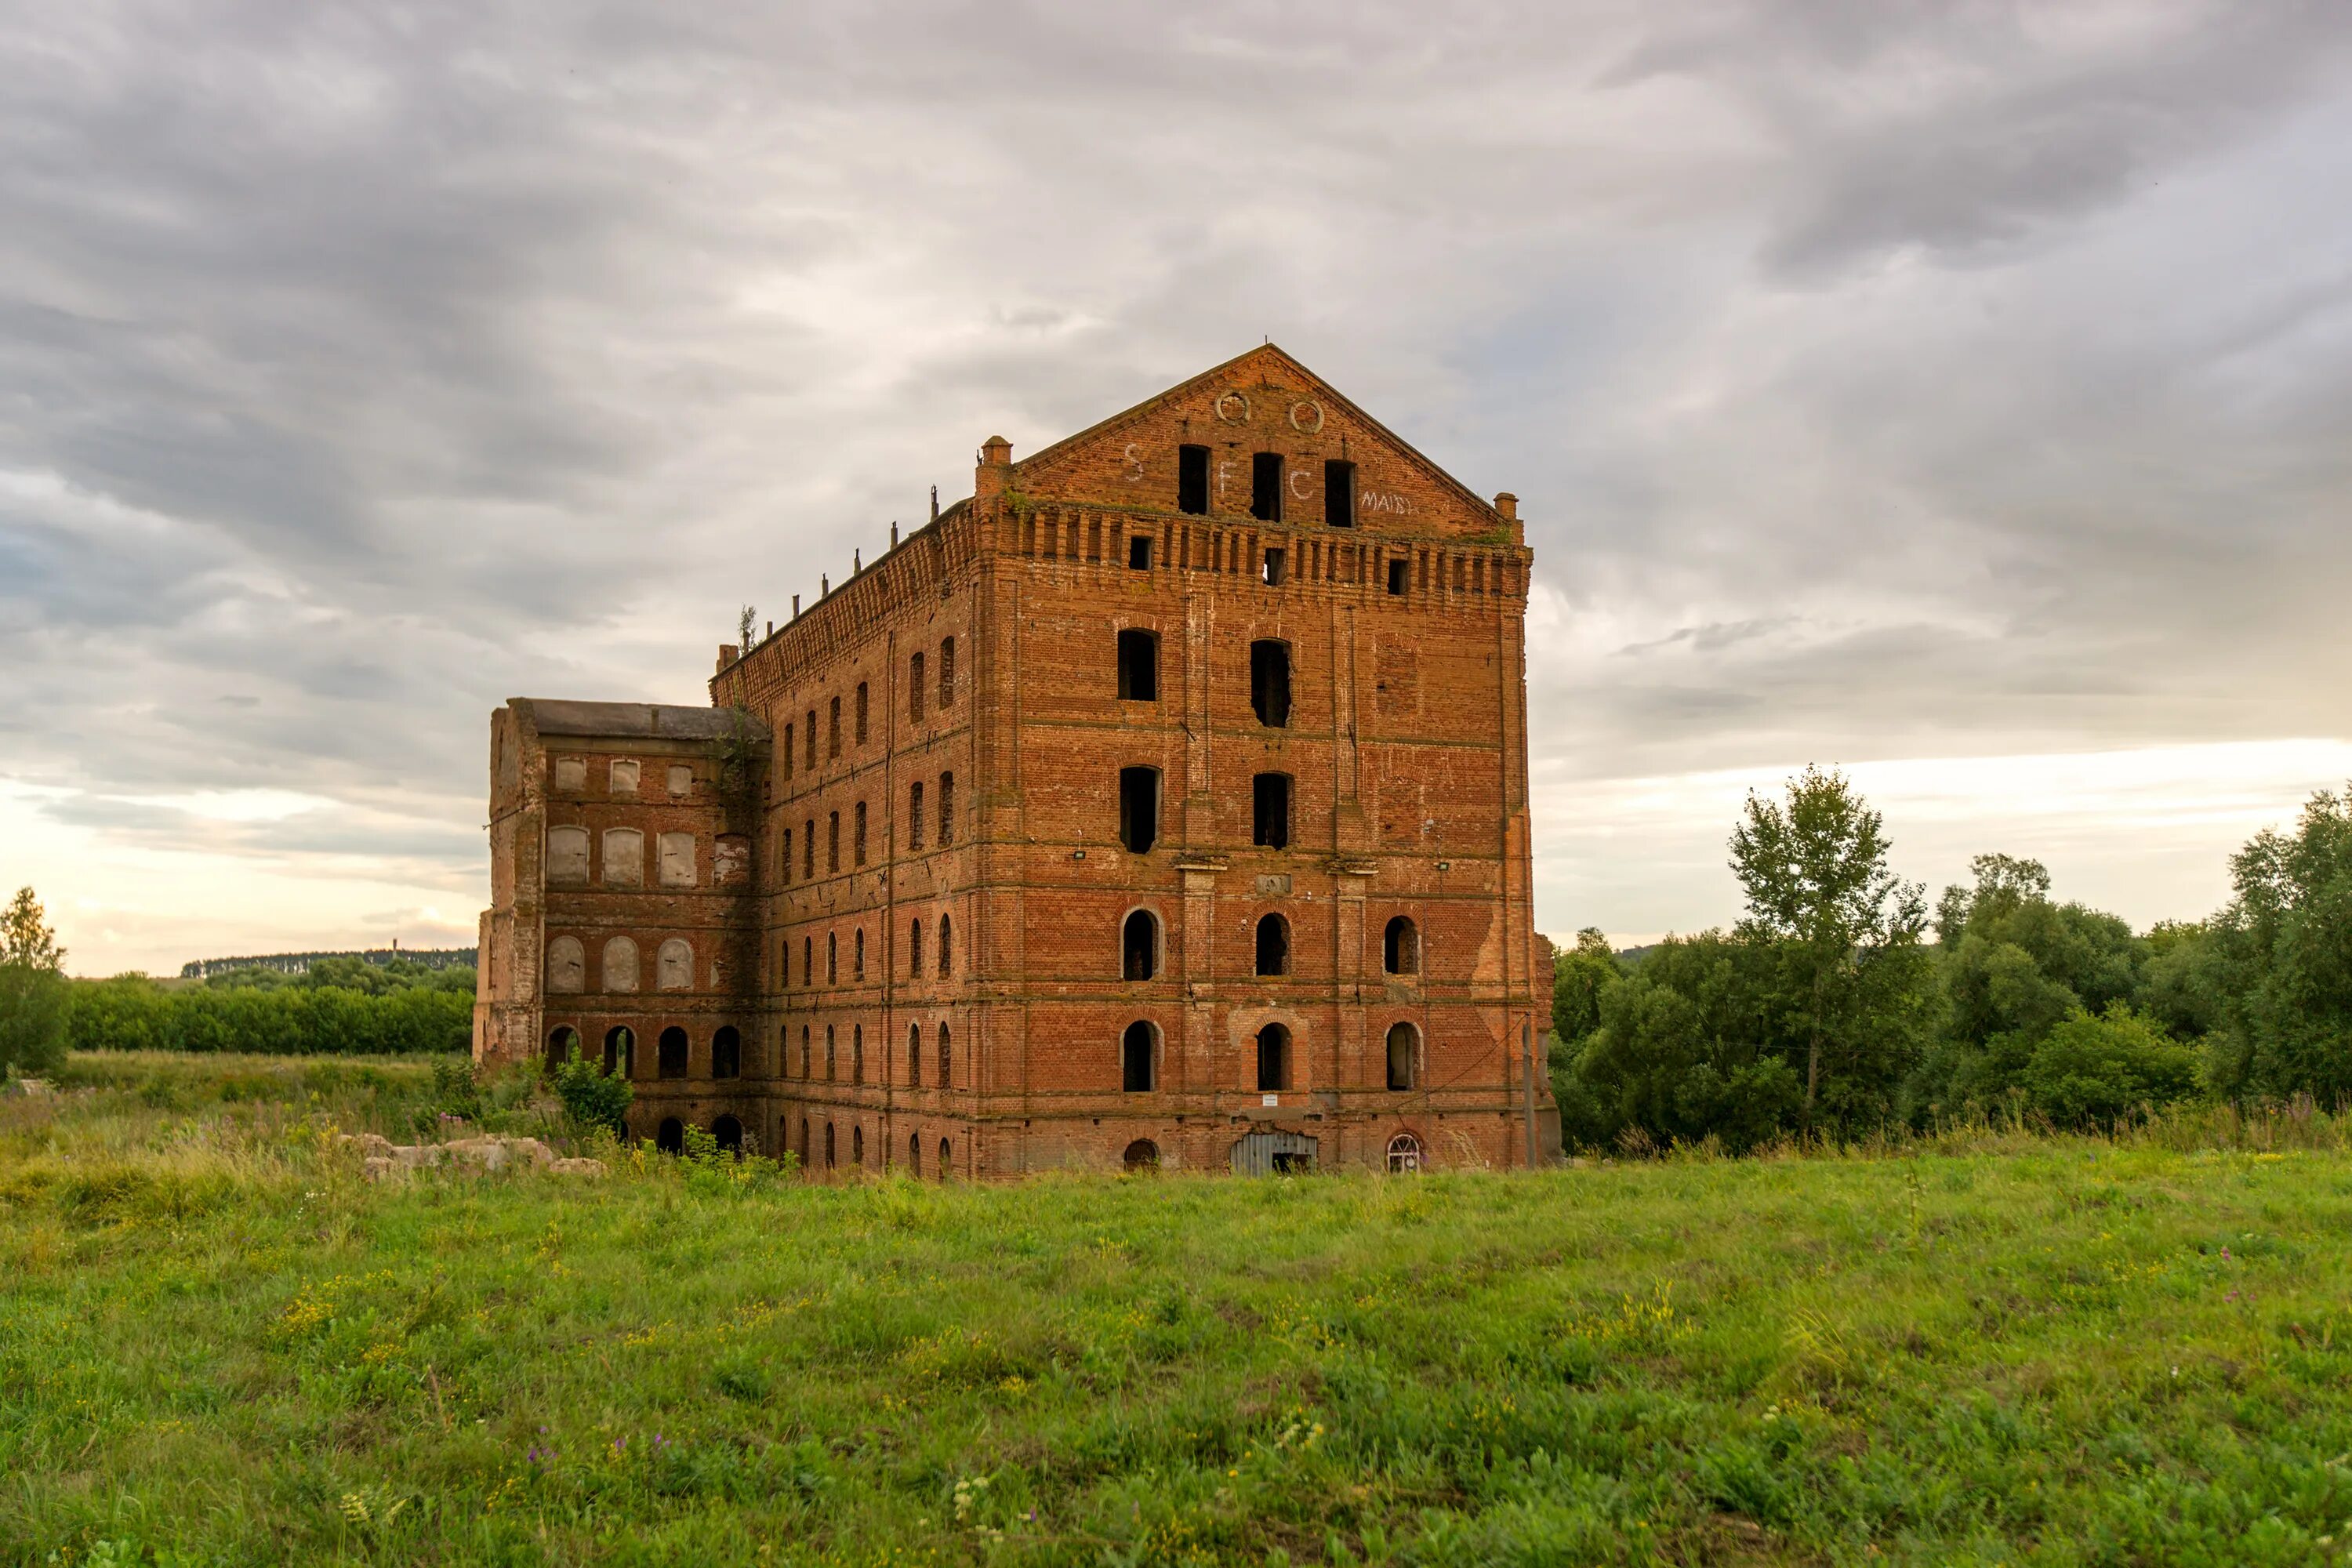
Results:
<point x="1958" y="393"/>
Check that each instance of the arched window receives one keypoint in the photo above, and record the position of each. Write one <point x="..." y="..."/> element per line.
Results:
<point x="831" y="1058"/>
<point x="915" y="685"/>
<point x="858" y="1053"/>
<point x="914" y="815"/>
<point x="861" y="713"/>
<point x="676" y="971"/>
<point x="1404" y="1056"/>
<point x="1405" y="1153"/>
<point x="914" y="1056"/>
<point x="947" y="809"/>
<point x="947" y="1075"/>
<point x="620" y="1051"/>
<point x="784" y="1049"/>
<point x="1142" y="1154"/>
<point x="1273" y="945"/>
<point x="808" y="1149"/>
<point x="828" y="1145"/>
<point x="947" y="674"/>
<point x="1400" y="946"/>
<point x="671" y="1061"/>
<point x="567" y="966"/>
<point x="1138" y="1059"/>
<point x="946" y="1159"/>
<point x="1139" y="666"/>
<point x="563" y="1044"/>
<point x="947" y="947"/>
<point x="857" y="954"/>
<point x="620" y="965"/>
<point x="915" y="948"/>
<point x="857" y="1147"/>
<point x="1273" y="1058"/>
<point x="808" y="1070"/>
<point x="915" y="1140"/>
<point x="729" y="1134"/>
<point x="726" y="1054"/>
<point x="670" y="1137"/>
<point x="1139" y="946"/>
<point x="833" y="958"/>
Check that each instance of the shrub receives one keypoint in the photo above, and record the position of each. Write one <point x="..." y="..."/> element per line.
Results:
<point x="2091" y="1071"/>
<point x="592" y="1098"/>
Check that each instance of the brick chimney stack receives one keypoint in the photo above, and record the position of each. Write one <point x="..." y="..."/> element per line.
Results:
<point x="995" y="467"/>
<point x="1508" y="505"/>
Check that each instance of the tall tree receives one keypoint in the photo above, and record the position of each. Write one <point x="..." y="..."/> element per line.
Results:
<point x="35" y="999"/>
<point x="2287" y="937"/>
<point x="1819" y="889"/>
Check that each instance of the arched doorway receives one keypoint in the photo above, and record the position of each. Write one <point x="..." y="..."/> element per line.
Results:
<point x="914" y="1154"/>
<point x="562" y="1043"/>
<point x="1273" y="1058"/>
<point x="1138" y="1055"/>
<point x="1142" y="1154"/>
<point x="670" y="1137"/>
<point x="729" y="1134"/>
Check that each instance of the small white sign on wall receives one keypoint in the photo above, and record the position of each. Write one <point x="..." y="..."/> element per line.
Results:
<point x="1269" y="1099"/>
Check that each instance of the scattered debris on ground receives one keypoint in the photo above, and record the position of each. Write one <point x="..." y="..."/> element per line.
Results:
<point x="387" y="1160"/>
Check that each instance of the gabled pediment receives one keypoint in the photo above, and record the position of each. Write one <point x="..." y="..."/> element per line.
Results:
<point x="1262" y="402"/>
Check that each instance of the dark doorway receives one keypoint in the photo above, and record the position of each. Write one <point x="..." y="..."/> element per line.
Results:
<point x="1402" y="1039"/>
<point x="1270" y="682"/>
<point x="1138" y="808"/>
<point x="671" y="1136"/>
<point x="729" y="1134"/>
<point x="1139" y="946"/>
<point x="1265" y="487"/>
<point x="672" y="1059"/>
<point x="1137" y="1075"/>
<point x="561" y="1045"/>
<point x="1273" y="945"/>
<point x="1139" y="666"/>
<point x="1272" y="1059"/>
<point x="914" y="1154"/>
<point x="727" y="1053"/>
<point x="1270" y="794"/>
<point x="620" y="1051"/>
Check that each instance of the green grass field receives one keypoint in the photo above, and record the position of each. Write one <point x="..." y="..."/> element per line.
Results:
<point x="218" y="1344"/>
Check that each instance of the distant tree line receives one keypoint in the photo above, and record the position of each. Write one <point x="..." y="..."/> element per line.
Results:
<point x="338" y="1006"/>
<point x="1839" y="1003"/>
<point x="299" y="963"/>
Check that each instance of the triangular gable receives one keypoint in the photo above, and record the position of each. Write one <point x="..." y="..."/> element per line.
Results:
<point x="1263" y="400"/>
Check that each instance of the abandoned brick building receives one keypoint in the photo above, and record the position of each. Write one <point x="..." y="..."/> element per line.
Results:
<point x="1164" y="802"/>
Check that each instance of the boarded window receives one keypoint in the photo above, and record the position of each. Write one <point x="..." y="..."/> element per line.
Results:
<point x="1338" y="493"/>
<point x="681" y="780"/>
<point x="571" y="774"/>
<point x="1265" y="487"/>
<point x="1137" y="1059"/>
<point x="914" y="814"/>
<point x="567" y="854"/>
<point x="672" y="1056"/>
<point x="1272" y="1059"/>
<point x="915" y="687"/>
<point x="1270" y="811"/>
<point x="1192" y="480"/>
<point x="947" y="673"/>
<point x="624" y="857"/>
<point x="1270" y="682"/>
<point x="1273" y="945"/>
<point x="1404" y="1053"/>
<point x="623" y="778"/>
<point x="1139" y="946"/>
<point x="676" y="965"/>
<point x="1138" y="808"/>
<point x="1139" y="666"/>
<point x="676" y="859"/>
<point x="619" y="969"/>
<point x="567" y="965"/>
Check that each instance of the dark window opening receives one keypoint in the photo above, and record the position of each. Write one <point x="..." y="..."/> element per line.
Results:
<point x="1338" y="493"/>
<point x="832" y="729"/>
<point x="857" y="956"/>
<point x="672" y="1059"/>
<point x="729" y="1134"/>
<point x="947" y="809"/>
<point x="947" y="945"/>
<point x="1265" y="487"/>
<point x="1272" y="1059"/>
<point x="1142" y="1154"/>
<point x="1271" y="810"/>
<point x="1401" y="1055"/>
<point x="833" y="841"/>
<point x="832" y="1055"/>
<point x="857" y="835"/>
<point x="1138" y="808"/>
<point x="1135" y="1053"/>
<point x="914" y="1056"/>
<point x="1396" y="568"/>
<point x="831" y="958"/>
<point x="671" y="1136"/>
<point x="808" y="968"/>
<point x="1139" y="553"/>
<point x="914" y="814"/>
<point x="1139" y="666"/>
<point x="828" y="1145"/>
<point x="808" y="850"/>
<point x="947" y="673"/>
<point x="861" y="713"/>
<point x="915" y="949"/>
<point x="1139" y="946"/>
<point x="1270" y="682"/>
<point x="947" y="1076"/>
<point x="1192" y="480"/>
<point x="562" y="1045"/>
<point x="808" y="1067"/>
<point x="915" y="687"/>
<point x="809" y="755"/>
<point x="858" y="1054"/>
<point x="789" y="750"/>
<point x="727" y="1053"/>
<point x="1273" y="572"/>
<point x="1400" y="947"/>
<point x="788" y="856"/>
<point x="946" y="1159"/>
<point x="857" y="1147"/>
<point x="914" y="1153"/>
<point x="1273" y="945"/>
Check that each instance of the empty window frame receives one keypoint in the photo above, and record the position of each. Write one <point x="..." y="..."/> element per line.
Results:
<point x="1139" y="553"/>
<point x="1139" y="666"/>
<point x="1270" y="811"/>
<point x="811" y="753"/>
<point x="788" y="752"/>
<point x="857" y="954"/>
<point x="833" y="841"/>
<point x="947" y="809"/>
<point x="807" y="1065"/>
<point x="808" y="849"/>
<point x="915" y="948"/>
<point x="1265" y="487"/>
<point x="1272" y="1059"/>
<point x="1404" y="1056"/>
<point x="1192" y="480"/>
<point x="1136" y="1063"/>
<point x="620" y="1051"/>
<point x="1273" y="945"/>
<point x="831" y="958"/>
<point x="833" y="729"/>
<point x="861" y="707"/>
<point x="1138" y="808"/>
<point x="672" y="1057"/>
<point x="832" y="1055"/>
<point x="914" y="1056"/>
<point x="808" y="967"/>
<point x="1338" y="493"/>
<point x="947" y="673"/>
<point x="727" y="1052"/>
<point x="915" y="685"/>
<point x="1138" y="945"/>
<point x="1273" y="568"/>
<point x="828" y="1145"/>
<point x="1270" y="682"/>
<point x="1400" y="946"/>
<point x="947" y="948"/>
<point x="858" y="1053"/>
<point x="857" y="835"/>
<point x="1399" y="567"/>
<point x="947" y="1078"/>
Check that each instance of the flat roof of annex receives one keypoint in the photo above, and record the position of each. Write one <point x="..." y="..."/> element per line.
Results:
<point x="922" y="560"/>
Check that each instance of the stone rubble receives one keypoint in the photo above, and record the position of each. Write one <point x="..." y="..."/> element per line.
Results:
<point x="383" y="1159"/>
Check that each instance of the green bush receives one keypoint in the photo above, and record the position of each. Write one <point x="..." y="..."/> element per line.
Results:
<point x="2092" y="1071"/>
<point x="591" y="1097"/>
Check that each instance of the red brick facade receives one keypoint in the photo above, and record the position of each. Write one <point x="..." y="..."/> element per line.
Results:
<point x="902" y="862"/>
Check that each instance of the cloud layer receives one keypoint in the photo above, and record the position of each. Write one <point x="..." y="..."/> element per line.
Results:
<point x="1883" y="382"/>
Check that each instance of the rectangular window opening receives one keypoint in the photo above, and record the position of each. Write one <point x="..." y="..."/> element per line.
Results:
<point x="1270" y="799"/>
<point x="1192" y="480"/>
<point x="1138" y="808"/>
<point x="1265" y="487"/>
<point x="1338" y="493"/>
<point x="1139" y="553"/>
<point x="1397" y="569"/>
<point x="1270" y="682"/>
<point x="1139" y="666"/>
<point x="1272" y="573"/>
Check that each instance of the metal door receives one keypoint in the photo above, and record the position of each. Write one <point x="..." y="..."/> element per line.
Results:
<point x="1273" y="1154"/>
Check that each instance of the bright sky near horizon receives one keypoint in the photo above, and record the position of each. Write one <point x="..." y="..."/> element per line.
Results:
<point x="1951" y="393"/>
